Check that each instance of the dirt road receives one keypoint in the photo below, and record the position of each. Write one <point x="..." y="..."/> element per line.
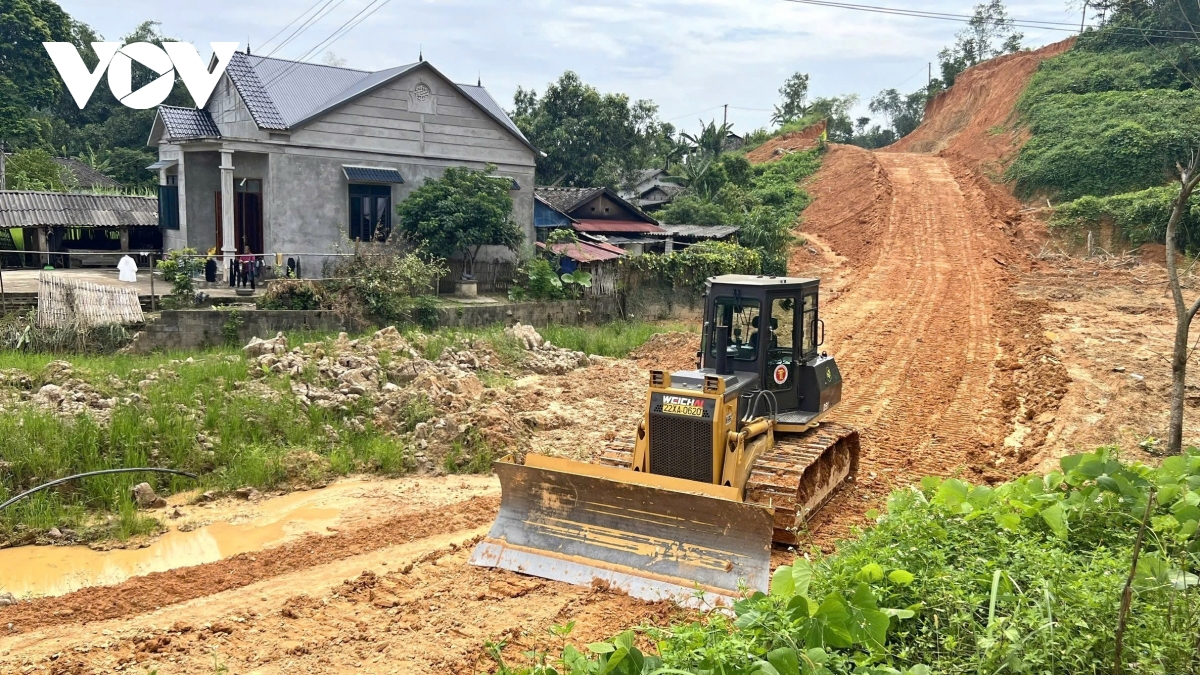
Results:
<point x="936" y="304"/>
<point x="918" y="317"/>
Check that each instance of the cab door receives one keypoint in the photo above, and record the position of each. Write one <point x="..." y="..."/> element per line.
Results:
<point x="781" y="344"/>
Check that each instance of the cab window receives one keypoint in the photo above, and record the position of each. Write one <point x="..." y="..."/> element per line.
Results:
<point x="740" y="319"/>
<point x="783" y="324"/>
<point x="810" y="324"/>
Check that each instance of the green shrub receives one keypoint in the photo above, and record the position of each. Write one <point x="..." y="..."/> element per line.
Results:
<point x="385" y="286"/>
<point x="537" y="280"/>
<point x="179" y="269"/>
<point x="1139" y="216"/>
<point x="765" y="203"/>
<point x="956" y="578"/>
<point x="691" y="267"/>
<point x="293" y="294"/>
<point x="1106" y="121"/>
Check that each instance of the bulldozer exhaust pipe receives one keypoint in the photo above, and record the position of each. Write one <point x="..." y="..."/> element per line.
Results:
<point x="652" y="537"/>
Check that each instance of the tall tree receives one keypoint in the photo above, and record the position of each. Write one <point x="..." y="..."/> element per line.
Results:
<point x="903" y="113"/>
<point x="836" y="111"/>
<point x="793" y="100"/>
<point x="988" y="34"/>
<point x="589" y="138"/>
<point x="1189" y="178"/>
<point x="28" y="79"/>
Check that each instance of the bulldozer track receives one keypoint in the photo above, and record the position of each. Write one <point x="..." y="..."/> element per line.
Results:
<point x="796" y="478"/>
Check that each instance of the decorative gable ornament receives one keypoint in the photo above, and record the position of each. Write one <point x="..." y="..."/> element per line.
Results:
<point x="421" y="99"/>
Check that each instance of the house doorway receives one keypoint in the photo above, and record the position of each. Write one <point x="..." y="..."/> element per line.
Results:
<point x="247" y="216"/>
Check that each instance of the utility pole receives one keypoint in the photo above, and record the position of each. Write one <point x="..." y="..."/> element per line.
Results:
<point x="1083" y="19"/>
<point x="725" y="117"/>
<point x="929" y="82"/>
<point x="3" y="178"/>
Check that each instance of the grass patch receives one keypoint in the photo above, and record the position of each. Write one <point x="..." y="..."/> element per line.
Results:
<point x="207" y="413"/>
<point x="615" y="339"/>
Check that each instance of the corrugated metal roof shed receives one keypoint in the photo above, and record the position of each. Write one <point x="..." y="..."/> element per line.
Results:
<point x="700" y="231"/>
<point x="583" y="252"/>
<point x="59" y="209"/>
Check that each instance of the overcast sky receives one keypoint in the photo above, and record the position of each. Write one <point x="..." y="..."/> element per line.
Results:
<point x="689" y="56"/>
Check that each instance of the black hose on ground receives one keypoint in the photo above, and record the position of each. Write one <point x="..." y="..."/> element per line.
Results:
<point x="60" y="481"/>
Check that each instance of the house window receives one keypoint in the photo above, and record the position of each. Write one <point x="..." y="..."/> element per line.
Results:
<point x="370" y="212"/>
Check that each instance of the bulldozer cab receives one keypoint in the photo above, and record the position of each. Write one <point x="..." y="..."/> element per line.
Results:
<point x="769" y="328"/>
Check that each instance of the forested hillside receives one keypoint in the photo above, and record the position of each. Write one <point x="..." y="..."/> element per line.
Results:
<point x="40" y="120"/>
<point x="1110" y="118"/>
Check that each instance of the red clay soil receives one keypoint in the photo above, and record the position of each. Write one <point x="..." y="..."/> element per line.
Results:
<point x="973" y="122"/>
<point x="934" y="351"/>
<point x="147" y="593"/>
<point x="851" y="194"/>
<point x="668" y="351"/>
<point x="796" y="141"/>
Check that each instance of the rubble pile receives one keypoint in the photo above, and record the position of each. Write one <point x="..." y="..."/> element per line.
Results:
<point x="435" y="404"/>
<point x="544" y="358"/>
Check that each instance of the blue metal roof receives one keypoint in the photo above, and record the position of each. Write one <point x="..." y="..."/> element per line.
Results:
<point x="371" y="174"/>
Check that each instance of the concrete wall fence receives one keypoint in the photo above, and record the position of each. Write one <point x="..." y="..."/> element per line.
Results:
<point x="199" y="328"/>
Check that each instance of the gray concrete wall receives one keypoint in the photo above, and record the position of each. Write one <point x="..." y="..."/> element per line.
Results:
<point x="202" y="182"/>
<point x="200" y="328"/>
<point x="307" y="206"/>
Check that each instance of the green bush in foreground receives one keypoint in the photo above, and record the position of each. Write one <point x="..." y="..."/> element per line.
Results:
<point x="1025" y="577"/>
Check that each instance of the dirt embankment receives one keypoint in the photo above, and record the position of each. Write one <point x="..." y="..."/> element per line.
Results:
<point x="796" y="141"/>
<point x="973" y="121"/>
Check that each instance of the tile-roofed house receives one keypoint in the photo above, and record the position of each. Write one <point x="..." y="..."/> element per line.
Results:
<point x="300" y="157"/>
<point x="652" y="189"/>
<point x="599" y="212"/>
<point x="185" y="124"/>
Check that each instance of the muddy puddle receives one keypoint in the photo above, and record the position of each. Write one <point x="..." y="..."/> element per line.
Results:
<point x="55" y="570"/>
<point x="227" y="529"/>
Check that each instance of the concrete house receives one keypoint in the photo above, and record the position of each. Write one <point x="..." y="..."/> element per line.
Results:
<point x="291" y="157"/>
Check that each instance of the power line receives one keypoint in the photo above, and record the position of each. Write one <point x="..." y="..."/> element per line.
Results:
<point x="695" y="113"/>
<point x="289" y="25"/>
<point x="349" y="25"/>
<point x="1061" y="26"/>
<point x="321" y="13"/>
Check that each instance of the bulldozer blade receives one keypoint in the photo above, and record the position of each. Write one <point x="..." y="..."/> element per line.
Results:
<point x="651" y="537"/>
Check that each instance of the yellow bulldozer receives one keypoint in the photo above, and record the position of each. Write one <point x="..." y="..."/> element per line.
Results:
<point x="727" y="459"/>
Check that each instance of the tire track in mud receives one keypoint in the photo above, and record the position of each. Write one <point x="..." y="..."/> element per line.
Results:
<point x="139" y="595"/>
<point x="915" y="334"/>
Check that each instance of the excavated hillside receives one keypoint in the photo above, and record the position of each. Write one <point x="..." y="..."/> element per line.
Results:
<point x="974" y="121"/>
<point x="968" y="345"/>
